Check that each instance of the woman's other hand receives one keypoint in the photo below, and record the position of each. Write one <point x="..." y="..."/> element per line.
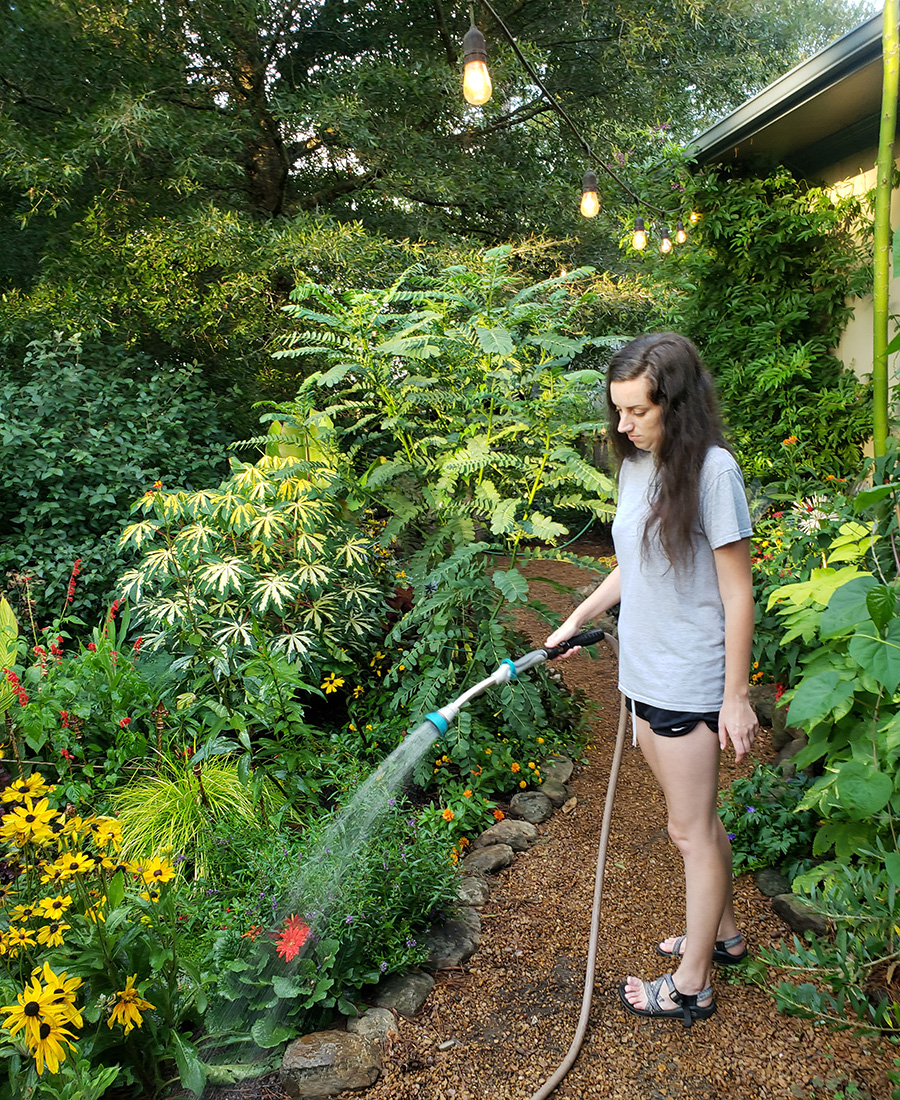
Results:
<point x="737" y="722"/>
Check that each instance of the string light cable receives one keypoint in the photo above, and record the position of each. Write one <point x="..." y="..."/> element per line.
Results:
<point x="475" y="52"/>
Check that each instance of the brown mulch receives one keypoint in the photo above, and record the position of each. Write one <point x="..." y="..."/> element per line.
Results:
<point x="512" y="1010"/>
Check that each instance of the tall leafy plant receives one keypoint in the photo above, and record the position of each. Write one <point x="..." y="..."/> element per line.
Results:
<point x="463" y="405"/>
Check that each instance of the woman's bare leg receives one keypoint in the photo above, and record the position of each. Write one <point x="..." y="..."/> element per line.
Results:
<point x="687" y="769"/>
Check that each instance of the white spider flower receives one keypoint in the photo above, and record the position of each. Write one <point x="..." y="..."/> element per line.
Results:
<point x="810" y="514"/>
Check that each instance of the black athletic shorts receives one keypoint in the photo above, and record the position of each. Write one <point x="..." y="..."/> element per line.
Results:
<point x="673" y="723"/>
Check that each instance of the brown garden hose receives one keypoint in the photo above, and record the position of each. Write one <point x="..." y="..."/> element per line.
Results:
<point x="551" y="1083"/>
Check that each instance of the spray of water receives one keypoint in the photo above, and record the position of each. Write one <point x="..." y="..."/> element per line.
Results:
<point x="258" y="1023"/>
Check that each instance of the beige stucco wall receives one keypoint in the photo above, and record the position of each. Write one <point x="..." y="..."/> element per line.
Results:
<point x="855" y="176"/>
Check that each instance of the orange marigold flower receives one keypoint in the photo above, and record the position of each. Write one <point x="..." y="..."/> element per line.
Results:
<point x="499" y="815"/>
<point x="448" y="815"/>
<point x="516" y="767"/>
<point x="467" y="794"/>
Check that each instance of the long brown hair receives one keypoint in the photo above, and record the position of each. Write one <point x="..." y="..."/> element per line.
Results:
<point x="690" y="424"/>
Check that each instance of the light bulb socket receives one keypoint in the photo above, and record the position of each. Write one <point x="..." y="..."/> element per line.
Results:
<point x="474" y="46"/>
<point x="589" y="183"/>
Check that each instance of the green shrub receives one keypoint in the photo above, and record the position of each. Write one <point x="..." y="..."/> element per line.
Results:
<point x="763" y="822"/>
<point x="360" y="915"/>
<point x="84" y="429"/>
<point x="850" y="976"/>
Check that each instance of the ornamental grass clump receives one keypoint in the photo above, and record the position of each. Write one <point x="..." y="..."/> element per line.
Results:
<point x="89" y="952"/>
<point x="181" y="808"/>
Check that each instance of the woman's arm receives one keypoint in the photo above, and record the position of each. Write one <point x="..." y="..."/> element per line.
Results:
<point x="737" y="719"/>
<point x="601" y="599"/>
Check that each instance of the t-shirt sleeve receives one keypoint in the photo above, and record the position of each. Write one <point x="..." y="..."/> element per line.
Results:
<point x="724" y="514"/>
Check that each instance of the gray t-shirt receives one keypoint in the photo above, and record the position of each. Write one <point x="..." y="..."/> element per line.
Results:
<point x="671" y="622"/>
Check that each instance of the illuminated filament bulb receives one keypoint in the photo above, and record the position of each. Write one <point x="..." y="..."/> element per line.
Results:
<point x="590" y="200"/>
<point x="477" y="86"/>
<point x="680" y="232"/>
<point x="694" y="218"/>
<point x="665" y="241"/>
<point x="639" y="237"/>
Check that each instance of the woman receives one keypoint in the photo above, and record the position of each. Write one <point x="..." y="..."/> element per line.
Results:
<point x="682" y="539"/>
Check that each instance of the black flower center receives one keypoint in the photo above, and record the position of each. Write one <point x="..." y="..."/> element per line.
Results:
<point x="32" y="1008"/>
<point x="45" y="1030"/>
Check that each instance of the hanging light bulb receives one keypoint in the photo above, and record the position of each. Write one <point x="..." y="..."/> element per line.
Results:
<point x="665" y="241"/>
<point x="680" y="232"/>
<point x="639" y="237"/>
<point x="477" y="86"/>
<point x="695" y="217"/>
<point x="590" y="200"/>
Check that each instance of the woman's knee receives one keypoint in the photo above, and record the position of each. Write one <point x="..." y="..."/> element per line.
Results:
<point x="693" y="834"/>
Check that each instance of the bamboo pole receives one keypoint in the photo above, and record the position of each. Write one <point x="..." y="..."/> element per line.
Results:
<point x="882" y="242"/>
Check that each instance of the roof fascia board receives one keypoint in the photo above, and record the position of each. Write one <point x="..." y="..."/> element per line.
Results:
<point x="850" y="52"/>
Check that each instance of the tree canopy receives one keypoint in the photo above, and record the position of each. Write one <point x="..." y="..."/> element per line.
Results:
<point x="168" y="168"/>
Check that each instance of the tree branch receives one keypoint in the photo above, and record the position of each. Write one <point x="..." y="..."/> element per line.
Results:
<point x="449" y="50"/>
<point x="326" y="195"/>
<point x="25" y="100"/>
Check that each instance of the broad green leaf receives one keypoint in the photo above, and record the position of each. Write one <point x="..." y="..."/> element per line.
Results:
<point x="868" y="497"/>
<point x="9" y="632"/>
<point x="511" y="583"/>
<point x="820" y="587"/>
<point x="287" y="988"/>
<point x="267" y="1033"/>
<point x="847" y="607"/>
<point x="845" y="837"/>
<point x="851" y="544"/>
<point x="880" y="656"/>
<point x="881" y="602"/>
<point x="815" y="697"/>
<point x="495" y="341"/>
<point x="863" y="789"/>
<point x="190" y="1068"/>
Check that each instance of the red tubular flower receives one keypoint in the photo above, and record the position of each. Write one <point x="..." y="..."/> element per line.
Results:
<point x="76" y="569"/>
<point x="92" y="647"/>
<point x="16" y="684"/>
<point x="136" y="648"/>
<point x="125" y="722"/>
<point x="64" y="715"/>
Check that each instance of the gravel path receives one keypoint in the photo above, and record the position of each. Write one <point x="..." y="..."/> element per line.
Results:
<point x="513" y="1011"/>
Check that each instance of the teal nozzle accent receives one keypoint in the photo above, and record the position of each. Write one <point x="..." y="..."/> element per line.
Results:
<point x="439" y="722"/>
<point x="512" y="667"/>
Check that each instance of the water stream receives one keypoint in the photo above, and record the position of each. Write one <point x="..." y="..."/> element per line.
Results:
<point x="313" y="892"/>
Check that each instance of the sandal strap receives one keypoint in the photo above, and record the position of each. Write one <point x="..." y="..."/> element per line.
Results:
<point x="723" y="945"/>
<point x="653" y="989"/>
<point x="677" y="946"/>
<point x="687" y="1001"/>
